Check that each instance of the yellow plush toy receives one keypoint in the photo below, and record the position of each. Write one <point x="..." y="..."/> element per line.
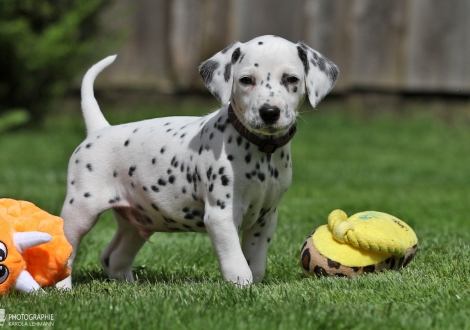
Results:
<point x="363" y="243"/>
<point x="33" y="248"/>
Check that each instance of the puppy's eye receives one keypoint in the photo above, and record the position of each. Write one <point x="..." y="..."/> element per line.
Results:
<point x="247" y="80"/>
<point x="292" y="79"/>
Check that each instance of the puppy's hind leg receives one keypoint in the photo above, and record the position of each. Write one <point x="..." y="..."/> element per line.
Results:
<point x="119" y="255"/>
<point x="79" y="217"/>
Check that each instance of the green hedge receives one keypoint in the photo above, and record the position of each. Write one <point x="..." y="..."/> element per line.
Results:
<point x="43" y="44"/>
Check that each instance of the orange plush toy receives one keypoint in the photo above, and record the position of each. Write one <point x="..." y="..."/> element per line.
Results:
<point x="33" y="248"/>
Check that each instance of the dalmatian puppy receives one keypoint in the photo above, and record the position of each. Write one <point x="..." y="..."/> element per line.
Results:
<point x="222" y="173"/>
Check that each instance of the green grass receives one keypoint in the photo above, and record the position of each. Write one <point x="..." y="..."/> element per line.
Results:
<point x="414" y="167"/>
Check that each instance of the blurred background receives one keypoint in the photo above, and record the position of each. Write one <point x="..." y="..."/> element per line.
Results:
<point x="388" y="51"/>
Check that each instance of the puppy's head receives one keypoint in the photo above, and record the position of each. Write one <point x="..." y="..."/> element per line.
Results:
<point x="266" y="80"/>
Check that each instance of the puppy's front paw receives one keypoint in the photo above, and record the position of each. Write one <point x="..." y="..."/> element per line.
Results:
<point x="241" y="276"/>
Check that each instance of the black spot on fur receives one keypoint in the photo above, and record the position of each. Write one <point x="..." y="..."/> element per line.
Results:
<point x="197" y="213"/>
<point x="235" y="55"/>
<point x="71" y="201"/>
<point x="239" y="140"/>
<point x="334" y="72"/>
<point x="155" y="188"/>
<point x="227" y="72"/>
<point x="87" y="194"/>
<point x="88" y="145"/>
<point x="260" y="43"/>
<point x="161" y="182"/>
<point x="89" y="167"/>
<point x="126" y="143"/>
<point x="171" y="179"/>
<point x="225" y="180"/>
<point x="261" y="176"/>
<point x="248" y="158"/>
<point x="162" y="150"/>
<point x="207" y="69"/>
<point x="322" y="64"/>
<point x="303" y="57"/>
<point x="132" y="170"/>
<point x="230" y="157"/>
<point x="209" y="173"/>
<point x="221" y="204"/>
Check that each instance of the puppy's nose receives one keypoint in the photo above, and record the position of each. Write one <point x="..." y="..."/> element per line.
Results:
<point x="270" y="114"/>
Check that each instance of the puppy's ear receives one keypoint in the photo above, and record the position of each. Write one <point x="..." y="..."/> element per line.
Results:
<point x="217" y="72"/>
<point x="320" y="73"/>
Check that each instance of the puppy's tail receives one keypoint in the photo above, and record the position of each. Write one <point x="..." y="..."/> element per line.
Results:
<point x="94" y="119"/>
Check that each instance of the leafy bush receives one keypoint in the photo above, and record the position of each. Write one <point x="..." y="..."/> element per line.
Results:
<point x="43" y="45"/>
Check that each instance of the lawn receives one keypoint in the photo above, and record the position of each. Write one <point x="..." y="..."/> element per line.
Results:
<point x="413" y="166"/>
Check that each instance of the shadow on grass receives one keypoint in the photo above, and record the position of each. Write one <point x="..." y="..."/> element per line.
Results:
<point x="143" y="274"/>
<point x="182" y="276"/>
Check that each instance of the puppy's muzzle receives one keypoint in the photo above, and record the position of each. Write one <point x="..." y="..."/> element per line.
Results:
<point x="269" y="114"/>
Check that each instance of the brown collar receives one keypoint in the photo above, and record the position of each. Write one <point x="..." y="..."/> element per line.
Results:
<point x="268" y="146"/>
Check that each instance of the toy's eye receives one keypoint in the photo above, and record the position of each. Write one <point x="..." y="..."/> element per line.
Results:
<point x="247" y="80"/>
<point x="3" y="273"/>
<point x="3" y="251"/>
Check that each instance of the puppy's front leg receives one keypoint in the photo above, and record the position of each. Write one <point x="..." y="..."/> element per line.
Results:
<point x="255" y="244"/>
<point x="223" y="232"/>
